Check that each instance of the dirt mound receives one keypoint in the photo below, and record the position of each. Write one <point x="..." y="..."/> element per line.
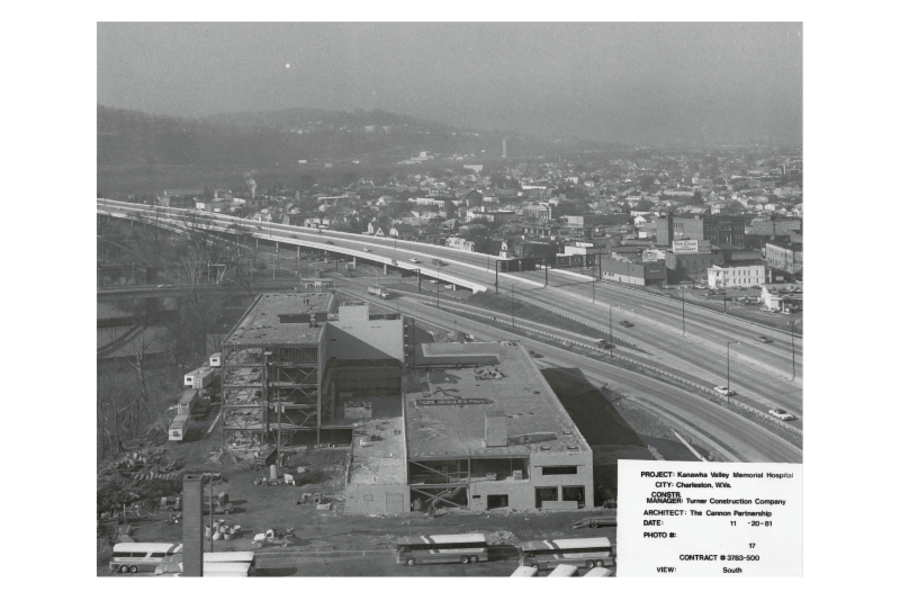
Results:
<point x="499" y="537"/>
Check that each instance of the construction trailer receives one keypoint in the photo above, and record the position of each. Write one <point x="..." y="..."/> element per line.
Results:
<point x="199" y="378"/>
<point x="188" y="401"/>
<point x="179" y="427"/>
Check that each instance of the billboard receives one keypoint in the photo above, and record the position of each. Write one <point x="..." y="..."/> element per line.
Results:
<point x="690" y="246"/>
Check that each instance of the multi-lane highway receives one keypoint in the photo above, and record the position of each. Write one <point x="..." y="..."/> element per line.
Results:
<point x="715" y="348"/>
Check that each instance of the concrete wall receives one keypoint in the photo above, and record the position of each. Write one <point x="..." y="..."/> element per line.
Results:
<point x="356" y="340"/>
<point x="584" y="477"/>
<point x="521" y="493"/>
<point x="373" y="499"/>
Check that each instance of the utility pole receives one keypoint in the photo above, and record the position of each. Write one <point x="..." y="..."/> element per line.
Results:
<point x="682" y="312"/>
<point x="793" y="363"/>
<point x="728" y="367"/>
<point x="496" y="276"/>
<point x="512" y="289"/>
<point x="610" y="332"/>
<point x="211" y="512"/>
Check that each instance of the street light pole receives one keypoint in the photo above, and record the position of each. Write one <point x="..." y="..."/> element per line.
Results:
<point x="682" y="312"/>
<point x="512" y="309"/>
<point x="593" y="288"/>
<point x="439" y="288"/>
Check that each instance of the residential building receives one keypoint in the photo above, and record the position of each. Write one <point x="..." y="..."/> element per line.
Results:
<point x="737" y="274"/>
<point x="785" y="257"/>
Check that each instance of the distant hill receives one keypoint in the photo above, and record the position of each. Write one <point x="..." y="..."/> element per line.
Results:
<point x="129" y="138"/>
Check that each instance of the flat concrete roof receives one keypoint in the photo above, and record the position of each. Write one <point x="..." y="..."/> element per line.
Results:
<point x="380" y="462"/>
<point x="262" y="324"/>
<point x="446" y="400"/>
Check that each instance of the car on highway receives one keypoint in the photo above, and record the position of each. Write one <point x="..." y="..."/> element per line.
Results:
<point x="626" y="323"/>
<point x="763" y="339"/>
<point x="604" y="345"/>
<point x="414" y="260"/>
<point x="781" y="414"/>
<point x="366" y="249"/>
<point x="723" y="390"/>
<point x="329" y="242"/>
<point x="164" y="285"/>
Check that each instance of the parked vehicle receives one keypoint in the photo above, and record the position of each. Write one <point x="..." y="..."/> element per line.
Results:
<point x="378" y="291"/>
<point x="463" y="548"/>
<point x="564" y="571"/>
<point x="133" y="557"/>
<point x="545" y="554"/>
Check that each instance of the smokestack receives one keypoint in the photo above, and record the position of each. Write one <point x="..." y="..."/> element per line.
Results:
<point x="248" y="180"/>
<point x="504" y="147"/>
<point x="192" y="526"/>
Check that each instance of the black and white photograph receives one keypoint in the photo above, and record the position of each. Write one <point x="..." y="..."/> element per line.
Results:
<point x="449" y="299"/>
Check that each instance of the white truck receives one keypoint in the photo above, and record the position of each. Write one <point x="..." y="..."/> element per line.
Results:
<point x="379" y="291"/>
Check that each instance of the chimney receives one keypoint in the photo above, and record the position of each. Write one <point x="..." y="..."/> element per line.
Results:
<point x="192" y="526"/>
<point x="494" y="429"/>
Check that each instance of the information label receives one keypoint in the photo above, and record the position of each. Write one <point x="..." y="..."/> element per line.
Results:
<point x="700" y="519"/>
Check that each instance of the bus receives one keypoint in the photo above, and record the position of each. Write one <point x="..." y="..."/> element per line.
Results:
<point x="525" y="572"/>
<point x="464" y="549"/>
<point x="248" y="557"/>
<point x="589" y="552"/>
<point x="132" y="557"/>
<point x="564" y="571"/>
<point x="598" y="572"/>
<point x="215" y="569"/>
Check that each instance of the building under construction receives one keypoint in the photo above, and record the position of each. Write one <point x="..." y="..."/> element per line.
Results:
<point x="470" y="426"/>
<point x="478" y="428"/>
<point x="292" y="363"/>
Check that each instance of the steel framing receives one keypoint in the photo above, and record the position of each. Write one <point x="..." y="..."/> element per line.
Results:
<point x="270" y="388"/>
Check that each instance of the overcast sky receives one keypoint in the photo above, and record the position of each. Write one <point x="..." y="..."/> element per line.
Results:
<point x="639" y="83"/>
